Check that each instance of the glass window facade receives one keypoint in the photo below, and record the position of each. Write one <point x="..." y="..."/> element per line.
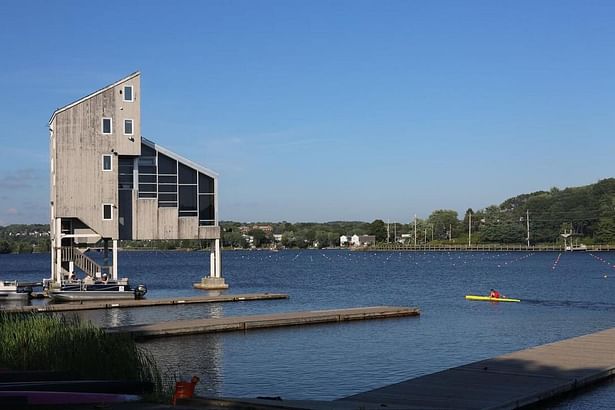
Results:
<point x="176" y="185"/>
<point x="148" y="173"/>
<point x="126" y="167"/>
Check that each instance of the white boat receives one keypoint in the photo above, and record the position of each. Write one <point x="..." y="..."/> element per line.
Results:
<point x="70" y="291"/>
<point x="11" y="290"/>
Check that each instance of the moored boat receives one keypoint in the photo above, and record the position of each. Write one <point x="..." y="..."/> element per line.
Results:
<point x="79" y="290"/>
<point x="12" y="290"/>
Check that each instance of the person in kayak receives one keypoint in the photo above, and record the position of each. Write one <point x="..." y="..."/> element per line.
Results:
<point x="494" y="294"/>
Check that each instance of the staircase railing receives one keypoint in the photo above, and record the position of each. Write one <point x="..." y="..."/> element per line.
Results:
<point x="83" y="262"/>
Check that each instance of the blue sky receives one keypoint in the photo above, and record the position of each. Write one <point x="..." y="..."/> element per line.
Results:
<point x="325" y="110"/>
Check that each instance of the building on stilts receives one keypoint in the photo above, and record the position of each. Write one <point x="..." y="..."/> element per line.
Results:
<point x="108" y="183"/>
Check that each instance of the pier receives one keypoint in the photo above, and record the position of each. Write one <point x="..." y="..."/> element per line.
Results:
<point x="509" y="381"/>
<point x="487" y="248"/>
<point x="135" y="303"/>
<point x="243" y="323"/>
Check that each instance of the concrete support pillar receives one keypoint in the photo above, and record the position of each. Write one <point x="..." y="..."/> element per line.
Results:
<point x="105" y="268"/>
<point x="57" y="274"/>
<point x="114" y="274"/>
<point x="215" y="280"/>
<point x="212" y="261"/>
<point x="217" y="258"/>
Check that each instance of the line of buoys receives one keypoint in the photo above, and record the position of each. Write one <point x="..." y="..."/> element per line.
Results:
<point x="559" y="255"/>
<point x="517" y="259"/>
<point x="599" y="258"/>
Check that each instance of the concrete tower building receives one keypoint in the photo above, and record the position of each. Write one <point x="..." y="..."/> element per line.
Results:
<point x="108" y="183"/>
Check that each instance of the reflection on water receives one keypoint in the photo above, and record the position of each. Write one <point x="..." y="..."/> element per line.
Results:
<point x="185" y="356"/>
<point x="559" y="301"/>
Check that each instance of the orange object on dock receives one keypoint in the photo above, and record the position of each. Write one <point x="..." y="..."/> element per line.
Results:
<point x="184" y="390"/>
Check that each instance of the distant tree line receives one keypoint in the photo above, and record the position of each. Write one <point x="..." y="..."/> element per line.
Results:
<point x="24" y="238"/>
<point x="586" y="214"/>
<point x="298" y="235"/>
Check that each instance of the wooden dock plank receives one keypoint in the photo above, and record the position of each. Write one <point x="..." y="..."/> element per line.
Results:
<point x="508" y="381"/>
<point x="226" y="324"/>
<point x="113" y="304"/>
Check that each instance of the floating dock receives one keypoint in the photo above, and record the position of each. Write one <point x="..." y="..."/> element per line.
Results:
<point x="509" y="381"/>
<point x="116" y="304"/>
<point x="242" y="323"/>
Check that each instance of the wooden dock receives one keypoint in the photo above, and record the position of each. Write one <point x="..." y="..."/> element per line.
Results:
<point x="243" y="323"/>
<point x="509" y="381"/>
<point x="132" y="303"/>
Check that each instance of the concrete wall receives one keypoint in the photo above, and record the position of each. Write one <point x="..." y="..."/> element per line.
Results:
<point x="79" y="185"/>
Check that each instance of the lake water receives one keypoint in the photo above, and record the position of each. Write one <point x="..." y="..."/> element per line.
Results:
<point x="564" y="295"/>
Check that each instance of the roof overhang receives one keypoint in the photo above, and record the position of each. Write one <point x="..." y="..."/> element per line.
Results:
<point x="179" y="158"/>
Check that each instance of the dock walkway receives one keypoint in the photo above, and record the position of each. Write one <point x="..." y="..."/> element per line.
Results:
<point x="242" y="323"/>
<point x="132" y="303"/>
<point x="509" y="381"/>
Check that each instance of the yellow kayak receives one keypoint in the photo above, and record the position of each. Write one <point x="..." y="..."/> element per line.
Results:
<point x="489" y="299"/>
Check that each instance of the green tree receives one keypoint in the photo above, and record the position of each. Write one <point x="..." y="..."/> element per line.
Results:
<point x="442" y="221"/>
<point x="234" y="239"/>
<point x="5" y="247"/>
<point x="606" y="230"/>
<point x="379" y="230"/>
<point x="260" y="237"/>
<point x="24" y="248"/>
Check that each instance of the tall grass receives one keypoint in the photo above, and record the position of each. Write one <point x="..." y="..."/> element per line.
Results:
<point x="79" y="349"/>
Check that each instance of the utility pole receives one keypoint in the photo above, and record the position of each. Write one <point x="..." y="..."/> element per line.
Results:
<point x="450" y="232"/>
<point x="470" y="229"/>
<point x="527" y="218"/>
<point x="432" y="232"/>
<point x="388" y="231"/>
<point x="395" y="231"/>
<point x="414" y="229"/>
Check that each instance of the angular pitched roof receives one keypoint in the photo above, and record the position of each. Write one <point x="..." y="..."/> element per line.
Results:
<point x="59" y="110"/>
<point x="179" y="158"/>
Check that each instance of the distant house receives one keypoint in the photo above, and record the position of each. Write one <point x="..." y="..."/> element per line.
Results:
<point x="268" y="229"/>
<point x="344" y="240"/>
<point x="277" y="237"/>
<point x="362" y="240"/>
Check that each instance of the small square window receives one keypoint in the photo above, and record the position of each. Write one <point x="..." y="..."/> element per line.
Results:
<point x="107" y="163"/>
<point x="107" y="126"/>
<point x="107" y="212"/>
<point x="128" y="93"/>
<point x="127" y="127"/>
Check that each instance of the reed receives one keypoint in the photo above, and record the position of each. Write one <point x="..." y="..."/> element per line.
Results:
<point x="78" y="349"/>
